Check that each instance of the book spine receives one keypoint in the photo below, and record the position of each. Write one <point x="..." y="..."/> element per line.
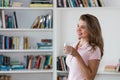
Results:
<point x="15" y="19"/>
<point x="3" y="18"/>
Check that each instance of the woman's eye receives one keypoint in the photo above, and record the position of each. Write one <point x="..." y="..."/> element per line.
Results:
<point x="83" y="27"/>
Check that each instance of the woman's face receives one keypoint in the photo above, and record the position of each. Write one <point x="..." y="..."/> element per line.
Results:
<point x="82" y="30"/>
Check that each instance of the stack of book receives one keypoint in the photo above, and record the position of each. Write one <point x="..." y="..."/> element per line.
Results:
<point x="113" y="68"/>
<point x="16" y="65"/>
<point x="6" y="64"/>
<point x="110" y="68"/>
<point x="45" y="44"/>
<point x="41" y="3"/>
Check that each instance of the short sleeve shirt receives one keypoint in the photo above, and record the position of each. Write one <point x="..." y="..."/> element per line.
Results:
<point x="86" y="54"/>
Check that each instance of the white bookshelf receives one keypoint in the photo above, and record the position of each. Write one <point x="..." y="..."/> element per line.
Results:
<point x="25" y="18"/>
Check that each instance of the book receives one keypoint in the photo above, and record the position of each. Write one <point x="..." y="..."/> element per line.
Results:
<point x="31" y="57"/>
<point x="3" y="18"/>
<point x="38" y="62"/>
<point x="0" y="3"/>
<point x="59" y="3"/>
<point x="1" y="25"/>
<point x="69" y="3"/>
<point x="15" y="62"/>
<point x="90" y="3"/>
<point x="40" y="5"/>
<point x="4" y="68"/>
<point x="99" y="3"/>
<point x="1" y="59"/>
<point x="93" y="3"/>
<point x="102" y="3"/>
<point x="64" y="3"/>
<point x="42" y="62"/>
<point x="6" y="3"/>
<point x="17" y="4"/>
<point x="21" y="43"/>
<point x="42" y="22"/>
<point x="10" y="22"/>
<point x="77" y="3"/>
<point x="15" y="19"/>
<point x="110" y="68"/>
<point x="49" y="17"/>
<point x="1" y="42"/>
<point x="42" y="1"/>
<point x="46" y="61"/>
<point x="36" y="23"/>
<point x="26" y="43"/>
<point x="17" y="67"/>
<point x="59" y="66"/>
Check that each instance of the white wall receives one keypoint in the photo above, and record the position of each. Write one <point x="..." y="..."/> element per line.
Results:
<point x="112" y="3"/>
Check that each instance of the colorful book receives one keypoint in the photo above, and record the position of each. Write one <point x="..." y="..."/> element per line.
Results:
<point x="41" y="5"/>
<point x="15" y="19"/>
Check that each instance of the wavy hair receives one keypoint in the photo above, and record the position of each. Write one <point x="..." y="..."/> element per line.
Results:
<point x="94" y="31"/>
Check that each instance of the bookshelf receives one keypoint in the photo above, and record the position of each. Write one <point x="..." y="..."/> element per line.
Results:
<point x="26" y="17"/>
<point x="64" y="23"/>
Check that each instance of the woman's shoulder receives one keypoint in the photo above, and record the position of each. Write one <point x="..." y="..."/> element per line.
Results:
<point x="93" y="48"/>
<point x="97" y="48"/>
<point x="95" y="54"/>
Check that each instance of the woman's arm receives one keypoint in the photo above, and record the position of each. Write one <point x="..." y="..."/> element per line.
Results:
<point x="89" y="71"/>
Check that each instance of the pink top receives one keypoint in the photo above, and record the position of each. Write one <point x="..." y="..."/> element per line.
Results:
<point x="86" y="54"/>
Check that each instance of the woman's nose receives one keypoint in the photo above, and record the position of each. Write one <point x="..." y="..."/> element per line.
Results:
<point x="79" y="28"/>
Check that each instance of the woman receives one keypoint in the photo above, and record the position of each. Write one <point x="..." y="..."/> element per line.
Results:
<point x="84" y="57"/>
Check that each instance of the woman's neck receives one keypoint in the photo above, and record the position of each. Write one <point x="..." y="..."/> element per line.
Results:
<point x="82" y="42"/>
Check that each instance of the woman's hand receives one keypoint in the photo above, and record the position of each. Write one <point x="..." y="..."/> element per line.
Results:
<point x="70" y="50"/>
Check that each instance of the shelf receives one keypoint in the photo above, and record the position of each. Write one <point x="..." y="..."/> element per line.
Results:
<point x="86" y="8"/>
<point x="99" y="73"/>
<point x="22" y="30"/>
<point x="43" y="8"/>
<point x="27" y="50"/>
<point x="27" y="71"/>
<point x="108" y="73"/>
<point x="62" y="72"/>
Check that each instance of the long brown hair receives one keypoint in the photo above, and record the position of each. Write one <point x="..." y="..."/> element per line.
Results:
<point x="94" y="31"/>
